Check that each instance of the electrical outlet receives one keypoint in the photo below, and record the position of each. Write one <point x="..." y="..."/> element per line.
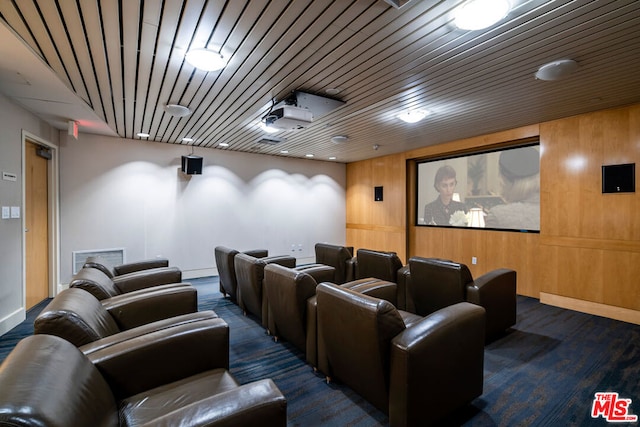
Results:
<point x="474" y="260"/>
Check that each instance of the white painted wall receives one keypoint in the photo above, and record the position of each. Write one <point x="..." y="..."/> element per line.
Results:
<point x="131" y="194"/>
<point x="13" y="120"/>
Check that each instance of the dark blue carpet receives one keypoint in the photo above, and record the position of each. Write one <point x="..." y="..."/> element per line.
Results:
<point x="544" y="372"/>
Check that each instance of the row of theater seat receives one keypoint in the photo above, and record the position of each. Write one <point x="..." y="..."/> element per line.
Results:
<point x="410" y="339"/>
<point x="124" y="347"/>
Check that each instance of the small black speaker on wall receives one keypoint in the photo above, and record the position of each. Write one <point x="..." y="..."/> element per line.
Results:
<point x="192" y="165"/>
<point x="377" y="194"/>
<point x="619" y="178"/>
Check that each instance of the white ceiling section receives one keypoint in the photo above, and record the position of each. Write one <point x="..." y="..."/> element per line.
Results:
<point x="120" y="62"/>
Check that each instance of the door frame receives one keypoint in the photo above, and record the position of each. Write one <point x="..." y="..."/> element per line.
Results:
<point x="54" y="217"/>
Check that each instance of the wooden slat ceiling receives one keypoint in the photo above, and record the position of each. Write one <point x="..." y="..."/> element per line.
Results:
<point x="124" y="60"/>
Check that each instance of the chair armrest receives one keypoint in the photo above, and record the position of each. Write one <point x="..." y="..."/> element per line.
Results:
<point x="256" y="404"/>
<point x="149" y="305"/>
<point x="437" y="365"/>
<point x="496" y="283"/>
<point x="146" y="264"/>
<point x="284" y="260"/>
<point x="405" y="300"/>
<point x="496" y="292"/>
<point x="142" y="330"/>
<point x="257" y="253"/>
<point x="147" y="278"/>
<point x="352" y="269"/>
<point x="163" y="356"/>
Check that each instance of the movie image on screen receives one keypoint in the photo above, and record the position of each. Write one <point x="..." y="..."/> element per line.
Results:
<point x="497" y="190"/>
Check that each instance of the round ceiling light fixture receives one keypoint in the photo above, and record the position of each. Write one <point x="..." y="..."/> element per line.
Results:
<point x="413" y="116"/>
<point x="339" y="139"/>
<point x="480" y="14"/>
<point x="556" y="70"/>
<point x="177" y="110"/>
<point x="205" y="59"/>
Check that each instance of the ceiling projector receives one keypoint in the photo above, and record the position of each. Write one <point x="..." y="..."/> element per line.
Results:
<point x="289" y="117"/>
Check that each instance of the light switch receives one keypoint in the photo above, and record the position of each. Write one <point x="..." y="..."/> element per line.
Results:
<point x="15" y="211"/>
<point x="5" y="212"/>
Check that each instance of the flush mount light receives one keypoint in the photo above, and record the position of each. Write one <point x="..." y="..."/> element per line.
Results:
<point x="308" y="155"/>
<point x="413" y="116"/>
<point x="205" y="59"/>
<point x="223" y="144"/>
<point x="284" y="151"/>
<point x="339" y="139"/>
<point x="143" y="135"/>
<point x="556" y="70"/>
<point x="187" y="139"/>
<point x="177" y="110"/>
<point x="479" y="14"/>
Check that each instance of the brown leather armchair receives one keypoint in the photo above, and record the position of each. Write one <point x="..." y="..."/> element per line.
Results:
<point x="226" y="268"/>
<point x="338" y="257"/>
<point x="250" y="275"/>
<point x="381" y="265"/>
<point x="45" y="380"/>
<point x="100" y="285"/>
<point x="287" y="291"/>
<point x="78" y="317"/>
<point x="117" y="270"/>
<point x="437" y="283"/>
<point x="416" y="369"/>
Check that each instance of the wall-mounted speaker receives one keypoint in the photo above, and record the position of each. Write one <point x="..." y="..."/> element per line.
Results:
<point x="619" y="178"/>
<point x="377" y="194"/>
<point x="192" y="165"/>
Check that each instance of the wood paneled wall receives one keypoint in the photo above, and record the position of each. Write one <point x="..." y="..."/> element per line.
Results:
<point x="587" y="255"/>
<point x="377" y="225"/>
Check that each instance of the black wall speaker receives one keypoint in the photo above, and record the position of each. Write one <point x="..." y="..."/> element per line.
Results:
<point x="192" y="165"/>
<point x="619" y="178"/>
<point x="377" y="194"/>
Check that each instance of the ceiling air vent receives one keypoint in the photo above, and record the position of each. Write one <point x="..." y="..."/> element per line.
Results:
<point x="271" y="140"/>
<point x="397" y="3"/>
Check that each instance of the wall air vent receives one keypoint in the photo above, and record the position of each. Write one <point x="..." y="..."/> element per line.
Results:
<point x="113" y="256"/>
<point x="270" y="140"/>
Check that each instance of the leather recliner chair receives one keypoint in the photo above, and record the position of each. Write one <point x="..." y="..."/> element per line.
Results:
<point x="381" y="265"/>
<point x="250" y="275"/>
<point x="287" y="291"/>
<point x="437" y="283"/>
<point x="45" y="380"/>
<point x="338" y="257"/>
<point x="418" y="370"/>
<point x="225" y="262"/>
<point x="369" y="286"/>
<point x="79" y="318"/>
<point x="131" y="267"/>
<point x="101" y="286"/>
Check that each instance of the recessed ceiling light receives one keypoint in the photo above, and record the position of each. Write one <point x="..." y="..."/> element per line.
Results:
<point x="479" y="14"/>
<point x="177" y="110"/>
<point x="333" y="91"/>
<point x="223" y="144"/>
<point x="308" y="155"/>
<point x="413" y="116"/>
<point x="187" y="139"/>
<point x="143" y="135"/>
<point x="205" y="59"/>
<point x="332" y="158"/>
<point x="284" y="151"/>
<point x="556" y="70"/>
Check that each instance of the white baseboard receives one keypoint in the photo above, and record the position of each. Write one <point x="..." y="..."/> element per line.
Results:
<point x="12" y="320"/>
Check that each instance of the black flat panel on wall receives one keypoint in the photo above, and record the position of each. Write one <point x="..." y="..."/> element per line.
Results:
<point x="377" y="194"/>
<point x="619" y="178"/>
